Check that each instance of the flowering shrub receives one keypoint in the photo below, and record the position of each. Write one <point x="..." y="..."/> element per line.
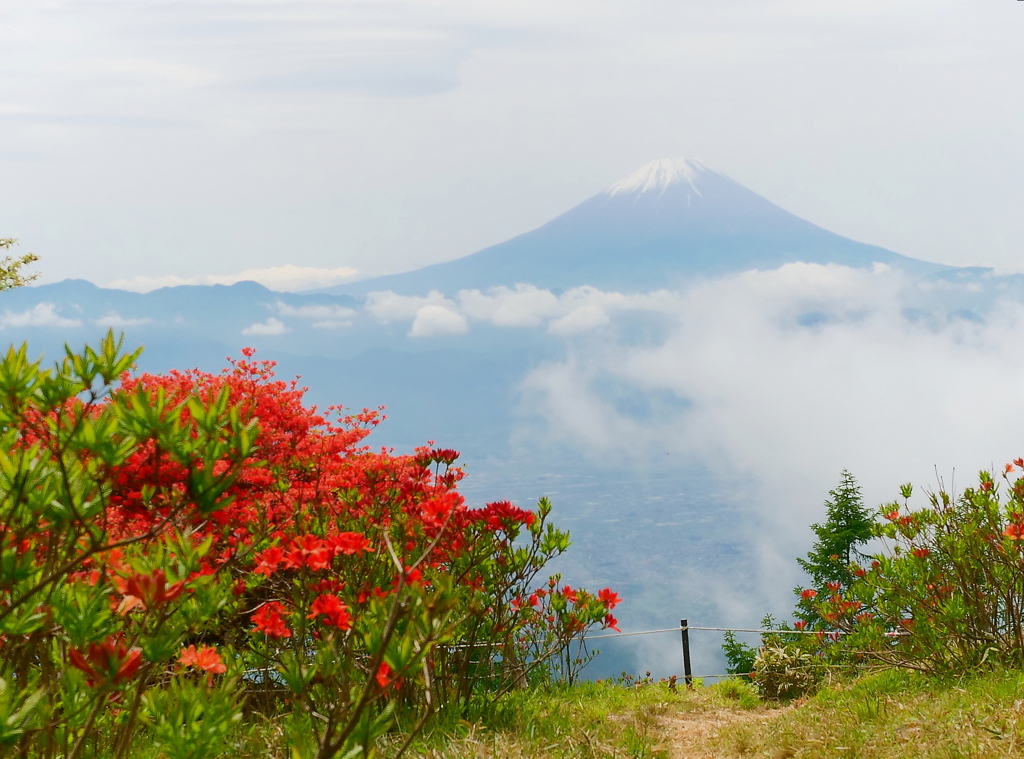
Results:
<point x="947" y="594"/>
<point x="174" y="544"/>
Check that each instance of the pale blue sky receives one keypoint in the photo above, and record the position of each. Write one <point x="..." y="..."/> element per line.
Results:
<point x="174" y="140"/>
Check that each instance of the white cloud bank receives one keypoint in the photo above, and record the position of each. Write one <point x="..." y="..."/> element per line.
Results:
<point x="40" y="315"/>
<point x="580" y="309"/>
<point x="287" y="278"/>
<point x="778" y="380"/>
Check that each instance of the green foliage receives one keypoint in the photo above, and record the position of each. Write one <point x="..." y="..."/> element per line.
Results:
<point x="787" y="670"/>
<point x="739" y="656"/>
<point x="10" y="268"/>
<point x="831" y="562"/>
<point x="742" y="691"/>
<point x="949" y="589"/>
<point x="192" y="720"/>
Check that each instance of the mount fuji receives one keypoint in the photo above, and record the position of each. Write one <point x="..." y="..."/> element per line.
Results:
<point x="668" y="222"/>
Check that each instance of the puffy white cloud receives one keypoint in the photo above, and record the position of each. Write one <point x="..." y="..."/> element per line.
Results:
<point x="40" y="315"/>
<point x="287" y="278"/>
<point x="387" y="307"/>
<point x="116" y="321"/>
<point x="271" y="326"/>
<point x="434" y="320"/>
<point x="523" y="306"/>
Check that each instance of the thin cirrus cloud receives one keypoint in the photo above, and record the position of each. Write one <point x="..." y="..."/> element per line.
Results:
<point x="286" y="278"/>
<point x="404" y="49"/>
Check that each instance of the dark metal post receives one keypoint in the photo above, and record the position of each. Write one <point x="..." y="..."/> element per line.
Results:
<point x="687" y="672"/>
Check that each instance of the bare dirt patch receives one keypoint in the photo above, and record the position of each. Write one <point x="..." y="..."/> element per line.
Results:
<point x="697" y="735"/>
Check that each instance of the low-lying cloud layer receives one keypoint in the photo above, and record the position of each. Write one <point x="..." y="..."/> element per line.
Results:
<point x="778" y="380"/>
<point x="579" y="309"/>
<point x="774" y="380"/>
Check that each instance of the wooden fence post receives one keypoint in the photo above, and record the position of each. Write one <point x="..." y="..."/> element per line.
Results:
<point x="687" y="672"/>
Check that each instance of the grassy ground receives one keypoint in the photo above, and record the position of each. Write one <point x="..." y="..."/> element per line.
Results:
<point x="890" y="714"/>
<point x="588" y="721"/>
<point x="887" y="714"/>
<point x="893" y="715"/>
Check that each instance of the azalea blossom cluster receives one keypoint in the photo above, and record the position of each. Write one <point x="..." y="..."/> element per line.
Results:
<point x="164" y="535"/>
<point x="948" y="590"/>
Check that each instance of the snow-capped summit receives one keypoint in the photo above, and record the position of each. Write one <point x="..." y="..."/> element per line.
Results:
<point x="660" y="175"/>
<point x="661" y="226"/>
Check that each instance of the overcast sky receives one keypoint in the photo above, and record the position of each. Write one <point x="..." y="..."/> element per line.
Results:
<point x="181" y="140"/>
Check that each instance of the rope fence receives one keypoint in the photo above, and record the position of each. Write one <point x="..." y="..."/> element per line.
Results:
<point x="712" y="629"/>
<point x="684" y="629"/>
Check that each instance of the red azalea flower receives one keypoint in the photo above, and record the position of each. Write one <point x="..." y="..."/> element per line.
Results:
<point x="609" y="598"/>
<point x="308" y="544"/>
<point x="294" y="559"/>
<point x="348" y="543"/>
<point x="383" y="674"/>
<point x="1014" y="531"/>
<point x="332" y="607"/>
<point x="153" y="589"/>
<point x="808" y="593"/>
<point x="268" y="620"/>
<point x="612" y="622"/>
<point x="800" y="625"/>
<point x="206" y="659"/>
<point x="109" y="661"/>
<point x="318" y="560"/>
<point x="269" y="561"/>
